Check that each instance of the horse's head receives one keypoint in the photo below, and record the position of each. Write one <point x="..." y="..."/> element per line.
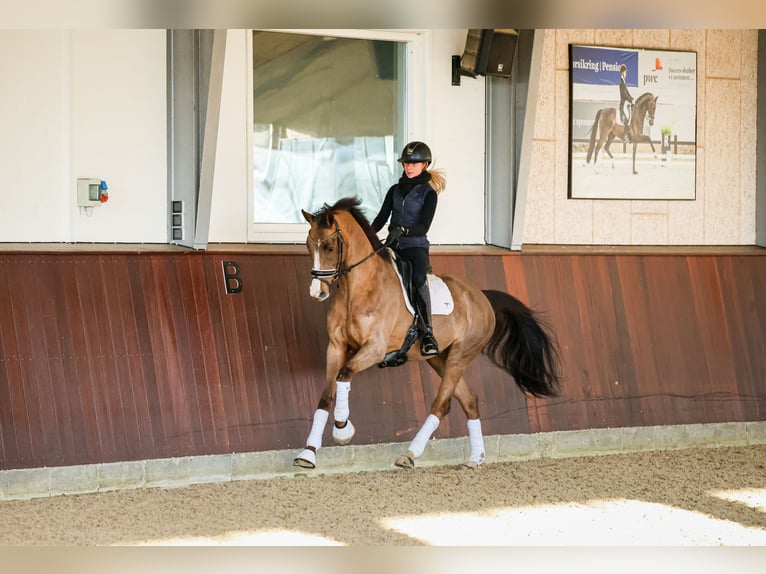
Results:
<point x="339" y="240"/>
<point x="325" y="245"/>
<point x="651" y="109"/>
<point x="648" y="102"/>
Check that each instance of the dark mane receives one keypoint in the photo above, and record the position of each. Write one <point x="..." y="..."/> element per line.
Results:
<point x="643" y="97"/>
<point x="352" y="205"/>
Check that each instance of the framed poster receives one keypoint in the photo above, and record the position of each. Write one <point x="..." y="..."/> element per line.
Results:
<point x="632" y="123"/>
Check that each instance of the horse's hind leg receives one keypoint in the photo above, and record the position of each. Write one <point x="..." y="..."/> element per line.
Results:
<point x="470" y="403"/>
<point x="452" y="384"/>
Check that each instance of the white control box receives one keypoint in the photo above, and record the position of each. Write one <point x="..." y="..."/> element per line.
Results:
<point x="89" y="192"/>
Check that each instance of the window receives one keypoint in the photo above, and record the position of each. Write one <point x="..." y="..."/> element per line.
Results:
<point x="328" y="120"/>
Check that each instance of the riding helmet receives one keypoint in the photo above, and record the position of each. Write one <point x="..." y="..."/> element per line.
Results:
<point x="415" y="152"/>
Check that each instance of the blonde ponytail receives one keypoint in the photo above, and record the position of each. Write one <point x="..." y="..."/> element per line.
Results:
<point x="438" y="180"/>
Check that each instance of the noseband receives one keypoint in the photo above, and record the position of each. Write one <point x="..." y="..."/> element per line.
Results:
<point x="329" y="276"/>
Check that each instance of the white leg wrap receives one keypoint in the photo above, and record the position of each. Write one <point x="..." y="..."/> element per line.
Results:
<point x="317" y="428"/>
<point x="476" y="440"/>
<point x="341" y="412"/>
<point x="344" y="435"/>
<point x="418" y="444"/>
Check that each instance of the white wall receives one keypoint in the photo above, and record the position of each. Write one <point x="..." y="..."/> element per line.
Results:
<point x="34" y="139"/>
<point x="455" y="132"/>
<point x="75" y="104"/>
<point x="229" y="209"/>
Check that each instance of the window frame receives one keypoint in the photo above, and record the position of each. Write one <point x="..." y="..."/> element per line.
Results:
<point x="415" y="81"/>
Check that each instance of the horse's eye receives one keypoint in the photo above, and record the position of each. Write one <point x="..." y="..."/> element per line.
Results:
<point x="328" y="248"/>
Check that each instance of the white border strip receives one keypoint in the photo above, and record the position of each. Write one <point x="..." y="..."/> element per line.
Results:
<point x="184" y="471"/>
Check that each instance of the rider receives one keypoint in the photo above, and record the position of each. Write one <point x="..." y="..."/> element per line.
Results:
<point x="625" y="97"/>
<point x="411" y="204"/>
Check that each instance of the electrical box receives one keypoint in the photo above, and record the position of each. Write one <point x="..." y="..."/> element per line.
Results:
<point x="91" y="192"/>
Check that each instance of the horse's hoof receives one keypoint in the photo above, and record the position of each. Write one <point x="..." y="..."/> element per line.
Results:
<point x="306" y="459"/>
<point x="344" y="435"/>
<point x="406" y="461"/>
<point x="474" y="461"/>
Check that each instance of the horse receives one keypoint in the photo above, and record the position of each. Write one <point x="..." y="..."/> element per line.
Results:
<point x="607" y="127"/>
<point x="368" y="319"/>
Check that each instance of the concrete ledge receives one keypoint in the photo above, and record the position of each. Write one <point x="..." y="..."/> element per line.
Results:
<point x="18" y="484"/>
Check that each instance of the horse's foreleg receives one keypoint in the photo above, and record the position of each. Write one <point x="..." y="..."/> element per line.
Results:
<point x="343" y="431"/>
<point x="307" y="457"/>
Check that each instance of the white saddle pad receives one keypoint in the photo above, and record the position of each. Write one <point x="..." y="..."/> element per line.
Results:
<point x="441" y="298"/>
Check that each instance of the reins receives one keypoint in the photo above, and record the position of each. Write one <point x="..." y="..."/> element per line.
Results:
<point x="335" y="274"/>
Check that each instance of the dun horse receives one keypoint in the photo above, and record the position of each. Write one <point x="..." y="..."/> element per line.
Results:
<point x="368" y="319"/>
<point x="607" y="127"/>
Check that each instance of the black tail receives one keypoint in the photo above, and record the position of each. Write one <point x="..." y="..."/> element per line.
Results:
<point x="593" y="131"/>
<point x="522" y="346"/>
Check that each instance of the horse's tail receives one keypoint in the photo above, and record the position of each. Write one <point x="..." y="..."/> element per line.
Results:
<point x="592" y="142"/>
<point x="522" y="346"/>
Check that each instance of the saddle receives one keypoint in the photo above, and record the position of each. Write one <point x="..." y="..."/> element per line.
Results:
<point x="441" y="304"/>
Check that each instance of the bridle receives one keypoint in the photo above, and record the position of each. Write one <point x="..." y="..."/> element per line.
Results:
<point x="329" y="276"/>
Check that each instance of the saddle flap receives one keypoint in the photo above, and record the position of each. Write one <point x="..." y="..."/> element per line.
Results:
<point x="441" y="298"/>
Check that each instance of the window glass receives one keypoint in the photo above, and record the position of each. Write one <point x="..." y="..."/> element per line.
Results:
<point x="328" y="120"/>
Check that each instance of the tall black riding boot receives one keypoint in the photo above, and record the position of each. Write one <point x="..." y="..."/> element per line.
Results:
<point x="428" y="346"/>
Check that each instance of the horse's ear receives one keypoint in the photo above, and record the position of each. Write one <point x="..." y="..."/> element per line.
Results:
<point x="307" y="216"/>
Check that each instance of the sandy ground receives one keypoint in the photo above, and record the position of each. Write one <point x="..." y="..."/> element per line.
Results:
<point x="695" y="497"/>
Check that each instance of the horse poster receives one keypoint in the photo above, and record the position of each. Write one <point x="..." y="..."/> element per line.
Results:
<point x="633" y="123"/>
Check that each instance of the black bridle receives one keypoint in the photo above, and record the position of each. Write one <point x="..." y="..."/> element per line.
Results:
<point x="329" y="276"/>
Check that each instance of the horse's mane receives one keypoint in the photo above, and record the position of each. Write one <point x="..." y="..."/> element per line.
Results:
<point x="351" y="205"/>
<point x="643" y="97"/>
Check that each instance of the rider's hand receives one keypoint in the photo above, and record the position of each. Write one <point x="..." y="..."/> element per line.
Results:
<point x="394" y="233"/>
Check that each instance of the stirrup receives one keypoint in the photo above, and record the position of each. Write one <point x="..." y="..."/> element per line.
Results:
<point x="399" y="357"/>
<point x="428" y="346"/>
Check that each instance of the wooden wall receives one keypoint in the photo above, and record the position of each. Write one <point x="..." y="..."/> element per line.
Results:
<point x="125" y="356"/>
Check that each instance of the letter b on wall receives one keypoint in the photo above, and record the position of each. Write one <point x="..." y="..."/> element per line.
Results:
<point x="231" y="278"/>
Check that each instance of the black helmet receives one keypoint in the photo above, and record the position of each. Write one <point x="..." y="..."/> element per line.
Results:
<point x="415" y="152"/>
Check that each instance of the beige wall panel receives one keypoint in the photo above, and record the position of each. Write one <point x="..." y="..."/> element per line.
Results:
<point x="651" y="39"/>
<point x="722" y="178"/>
<point x="723" y="53"/>
<point x="641" y="207"/>
<point x="686" y="219"/>
<point x="614" y="37"/>
<point x="541" y="209"/>
<point x="649" y="229"/>
<point x="546" y="104"/>
<point x="749" y="89"/>
<point x="723" y="212"/>
<point x="611" y="222"/>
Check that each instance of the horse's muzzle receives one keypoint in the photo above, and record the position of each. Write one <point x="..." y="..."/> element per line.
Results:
<point x="319" y="290"/>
